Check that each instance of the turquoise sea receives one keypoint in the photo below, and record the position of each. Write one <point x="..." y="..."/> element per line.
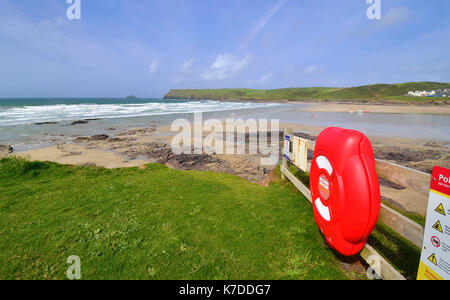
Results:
<point x="39" y="122"/>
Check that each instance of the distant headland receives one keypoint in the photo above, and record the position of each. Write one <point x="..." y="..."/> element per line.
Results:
<point x="376" y="93"/>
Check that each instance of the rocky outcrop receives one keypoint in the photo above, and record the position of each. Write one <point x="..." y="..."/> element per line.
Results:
<point x="137" y="131"/>
<point x="404" y="155"/>
<point x="163" y="154"/>
<point x="79" y="122"/>
<point x="94" y="138"/>
<point x="46" y="123"/>
<point x="5" y="150"/>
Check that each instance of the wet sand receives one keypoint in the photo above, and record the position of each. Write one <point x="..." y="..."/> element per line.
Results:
<point x="370" y="108"/>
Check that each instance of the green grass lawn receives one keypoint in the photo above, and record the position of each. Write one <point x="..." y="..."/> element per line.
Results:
<point x="155" y="223"/>
<point x="367" y="92"/>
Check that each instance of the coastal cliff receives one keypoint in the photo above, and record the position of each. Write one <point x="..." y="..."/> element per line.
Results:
<point x="382" y="93"/>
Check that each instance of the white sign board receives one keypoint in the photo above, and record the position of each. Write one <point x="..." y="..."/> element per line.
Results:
<point x="435" y="259"/>
<point x="300" y="153"/>
<point x="287" y="147"/>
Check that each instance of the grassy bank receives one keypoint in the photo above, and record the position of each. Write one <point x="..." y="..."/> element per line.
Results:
<point x="155" y="223"/>
<point x="377" y="92"/>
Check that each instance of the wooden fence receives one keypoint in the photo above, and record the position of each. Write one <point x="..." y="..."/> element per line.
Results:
<point x="404" y="226"/>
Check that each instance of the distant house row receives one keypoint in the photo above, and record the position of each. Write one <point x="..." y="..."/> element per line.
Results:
<point x="434" y="93"/>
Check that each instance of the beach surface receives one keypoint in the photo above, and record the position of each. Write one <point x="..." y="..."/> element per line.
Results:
<point x="140" y="146"/>
<point x="135" y="142"/>
<point x="95" y="142"/>
<point x="385" y="109"/>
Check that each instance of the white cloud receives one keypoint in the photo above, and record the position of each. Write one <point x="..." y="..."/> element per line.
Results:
<point x="265" y="78"/>
<point x="225" y="66"/>
<point x="262" y="23"/>
<point x="187" y="66"/>
<point x="154" y="67"/>
<point x="44" y="35"/>
<point x="392" y="18"/>
<point x="396" y="15"/>
<point x="311" y="69"/>
<point x="51" y="40"/>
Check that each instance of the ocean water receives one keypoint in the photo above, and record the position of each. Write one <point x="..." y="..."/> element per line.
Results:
<point x="34" y="123"/>
<point x="19" y="118"/>
<point x="31" y="111"/>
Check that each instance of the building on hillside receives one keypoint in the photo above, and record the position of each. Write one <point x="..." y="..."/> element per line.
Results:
<point x="422" y="94"/>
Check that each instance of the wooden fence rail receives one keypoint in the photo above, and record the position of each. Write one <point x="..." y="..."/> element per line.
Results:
<point x="404" y="226"/>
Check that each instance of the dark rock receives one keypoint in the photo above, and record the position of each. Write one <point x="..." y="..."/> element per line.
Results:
<point x="46" y="123"/>
<point x="73" y="153"/>
<point x="191" y="161"/>
<point x="432" y="144"/>
<point x="405" y="155"/>
<point x="137" y="131"/>
<point x="99" y="137"/>
<point x="80" y="122"/>
<point x="115" y="140"/>
<point x="162" y="153"/>
<point x="394" y="204"/>
<point x="6" y="149"/>
<point x="390" y="184"/>
<point x="81" y="139"/>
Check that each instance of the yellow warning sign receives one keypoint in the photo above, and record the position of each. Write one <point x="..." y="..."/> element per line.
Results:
<point x="438" y="226"/>
<point x="426" y="273"/>
<point x="440" y="209"/>
<point x="433" y="259"/>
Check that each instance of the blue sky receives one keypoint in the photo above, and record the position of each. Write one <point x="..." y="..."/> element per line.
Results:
<point x="146" y="47"/>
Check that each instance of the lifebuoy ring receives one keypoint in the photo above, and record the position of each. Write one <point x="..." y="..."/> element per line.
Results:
<point x="345" y="189"/>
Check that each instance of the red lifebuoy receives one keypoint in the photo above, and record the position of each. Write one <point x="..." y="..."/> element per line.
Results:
<point x="345" y="189"/>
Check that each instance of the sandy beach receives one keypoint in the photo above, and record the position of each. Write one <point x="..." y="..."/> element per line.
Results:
<point x="128" y="150"/>
<point x="124" y="146"/>
<point x="386" y="109"/>
<point x="128" y="147"/>
<point x="140" y="146"/>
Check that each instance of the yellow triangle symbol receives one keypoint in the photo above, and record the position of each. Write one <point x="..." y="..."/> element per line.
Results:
<point x="441" y="210"/>
<point x="438" y="227"/>
<point x="433" y="259"/>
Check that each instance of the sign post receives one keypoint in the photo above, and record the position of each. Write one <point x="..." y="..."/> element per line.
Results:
<point x="435" y="259"/>
<point x="287" y="147"/>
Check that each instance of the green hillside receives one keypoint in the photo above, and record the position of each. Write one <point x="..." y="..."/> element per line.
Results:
<point x="368" y="92"/>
